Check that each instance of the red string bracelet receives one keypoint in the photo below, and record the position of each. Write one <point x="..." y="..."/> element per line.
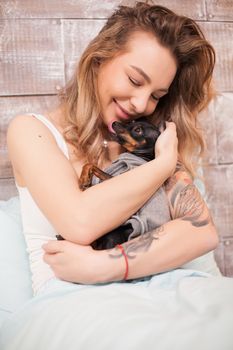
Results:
<point x="126" y="260"/>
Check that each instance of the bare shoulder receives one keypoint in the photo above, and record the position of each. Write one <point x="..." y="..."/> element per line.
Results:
<point x="32" y="146"/>
<point x="26" y="133"/>
<point x="21" y="120"/>
<point x="26" y="125"/>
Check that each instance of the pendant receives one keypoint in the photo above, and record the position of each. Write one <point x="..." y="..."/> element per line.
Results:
<point x="105" y="143"/>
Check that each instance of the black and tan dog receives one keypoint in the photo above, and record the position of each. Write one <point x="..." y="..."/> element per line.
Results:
<point x="137" y="137"/>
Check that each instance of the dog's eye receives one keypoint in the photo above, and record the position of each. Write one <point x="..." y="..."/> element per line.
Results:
<point x="138" y="130"/>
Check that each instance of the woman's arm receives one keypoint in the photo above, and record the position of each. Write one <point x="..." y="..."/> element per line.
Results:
<point x="82" y="217"/>
<point x="190" y="234"/>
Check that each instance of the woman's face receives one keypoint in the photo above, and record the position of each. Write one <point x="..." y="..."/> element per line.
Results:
<point x="131" y="84"/>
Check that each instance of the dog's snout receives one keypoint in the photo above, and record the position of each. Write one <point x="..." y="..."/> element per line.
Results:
<point x="118" y="127"/>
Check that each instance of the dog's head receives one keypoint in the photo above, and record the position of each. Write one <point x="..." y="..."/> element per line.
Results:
<point x="137" y="137"/>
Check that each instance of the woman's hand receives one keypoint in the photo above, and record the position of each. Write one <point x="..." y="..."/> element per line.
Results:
<point x="167" y="144"/>
<point x="73" y="262"/>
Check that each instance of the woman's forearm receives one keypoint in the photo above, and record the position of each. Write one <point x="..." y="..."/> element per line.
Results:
<point x="162" y="249"/>
<point x="190" y="234"/>
<point x="109" y="204"/>
<point x="78" y="216"/>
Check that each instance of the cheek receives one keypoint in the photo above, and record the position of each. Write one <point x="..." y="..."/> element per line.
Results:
<point x="151" y="107"/>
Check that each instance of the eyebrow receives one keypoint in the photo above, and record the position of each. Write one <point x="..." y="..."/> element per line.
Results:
<point x="145" y="76"/>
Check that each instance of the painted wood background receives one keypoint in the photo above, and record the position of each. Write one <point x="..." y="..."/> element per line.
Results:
<point x="40" y="43"/>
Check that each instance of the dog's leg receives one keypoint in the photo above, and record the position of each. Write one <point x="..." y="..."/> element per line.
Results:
<point x="88" y="171"/>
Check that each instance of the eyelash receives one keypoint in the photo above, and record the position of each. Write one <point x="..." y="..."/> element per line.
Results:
<point x="135" y="83"/>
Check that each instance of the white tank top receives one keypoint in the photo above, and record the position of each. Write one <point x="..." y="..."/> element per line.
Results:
<point x="36" y="228"/>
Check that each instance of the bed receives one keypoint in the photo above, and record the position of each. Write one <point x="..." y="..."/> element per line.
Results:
<point x="187" y="308"/>
<point x="190" y="307"/>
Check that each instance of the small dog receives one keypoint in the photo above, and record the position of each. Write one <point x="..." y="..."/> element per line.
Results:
<point x="137" y="137"/>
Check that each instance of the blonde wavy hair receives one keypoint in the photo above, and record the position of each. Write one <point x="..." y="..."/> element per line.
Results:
<point x="189" y="93"/>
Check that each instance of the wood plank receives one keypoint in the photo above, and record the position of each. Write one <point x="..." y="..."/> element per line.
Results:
<point x="228" y="256"/>
<point x="9" y="108"/>
<point x="89" y="8"/>
<point x="5" y="165"/>
<point x="220" y="36"/>
<point x="208" y="127"/>
<point x="31" y="57"/>
<point x="217" y="125"/>
<point x="190" y="8"/>
<point x="219" y="10"/>
<point x="224" y="257"/>
<point x="7" y="189"/>
<point x="224" y="128"/>
<point x="219" y="197"/>
<point x="77" y="35"/>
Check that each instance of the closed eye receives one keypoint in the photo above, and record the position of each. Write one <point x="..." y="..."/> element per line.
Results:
<point x="155" y="97"/>
<point x="134" y="82"/>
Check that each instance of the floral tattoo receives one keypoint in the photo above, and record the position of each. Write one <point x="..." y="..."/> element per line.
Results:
<point x="187" y="203"/>
<point x="140" y="244"/>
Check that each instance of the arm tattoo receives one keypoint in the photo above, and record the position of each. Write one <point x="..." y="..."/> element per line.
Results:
<point x="188" y="205"/>
<point x="141" y="244"/>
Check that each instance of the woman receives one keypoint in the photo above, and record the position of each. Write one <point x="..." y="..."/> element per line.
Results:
<point x="145" y="61"/>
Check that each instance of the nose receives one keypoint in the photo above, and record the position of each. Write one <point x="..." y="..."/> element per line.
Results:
<point x="140" y="103"/>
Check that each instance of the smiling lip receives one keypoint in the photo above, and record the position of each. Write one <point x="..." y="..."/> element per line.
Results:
<point x="121" y="112"/>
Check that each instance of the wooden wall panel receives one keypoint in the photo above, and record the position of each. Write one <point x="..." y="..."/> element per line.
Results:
<point x="89" y="8"/>
<point x="7" y="189"/>
<point x="217" y="125"/>
<point x="31" y="57"/>
<point x="208" y="126"/>
<point x="191" y="8"/>
<point x="220" y="196"/>
<point x="77" y="34"/>
<point x="224" y="257"/>
<point x="224" y="128"/>
<point x="219" y="10"/>
<point x="220" y="35"/>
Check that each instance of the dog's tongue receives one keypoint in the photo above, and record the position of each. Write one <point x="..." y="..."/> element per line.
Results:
<point x="110" y="128"/>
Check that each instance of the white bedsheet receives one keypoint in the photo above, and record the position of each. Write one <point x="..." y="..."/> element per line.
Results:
<point x="180" y="309"/>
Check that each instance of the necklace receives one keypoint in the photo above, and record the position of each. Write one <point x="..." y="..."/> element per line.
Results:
<point x="105" y="144"/>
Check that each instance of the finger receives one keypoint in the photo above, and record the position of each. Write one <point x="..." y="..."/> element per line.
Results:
<point x="48" y="258"/>
<point x="170" y="125"/>
<point x="53" y="247"/>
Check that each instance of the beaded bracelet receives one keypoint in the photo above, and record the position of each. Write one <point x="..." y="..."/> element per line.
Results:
<point x="126" y="260"/>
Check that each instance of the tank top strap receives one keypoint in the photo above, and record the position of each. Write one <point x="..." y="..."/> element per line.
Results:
<point x="56" y="133"/>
